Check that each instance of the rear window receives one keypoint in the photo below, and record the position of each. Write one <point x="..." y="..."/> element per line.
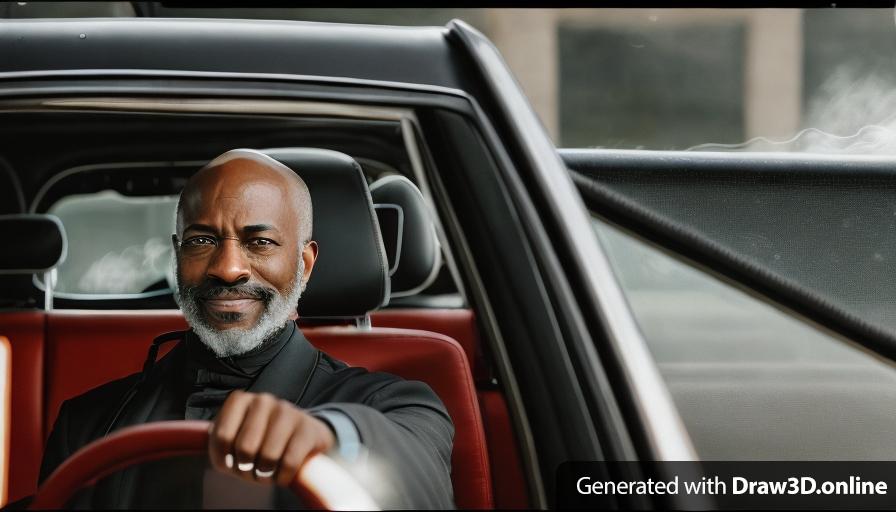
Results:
<point x="117" y="244"/>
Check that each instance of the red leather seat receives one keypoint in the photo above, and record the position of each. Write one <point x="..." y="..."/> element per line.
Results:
<point x="412" y="248"/>
<point x="440" y="362"/>
<point x="459" y="324"/>
<point x="86" y="349"/>
<point x="508" y="481"/>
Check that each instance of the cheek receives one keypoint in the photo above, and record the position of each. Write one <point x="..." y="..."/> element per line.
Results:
<point x="189" y="271"/>
<point x="278" y="272"/>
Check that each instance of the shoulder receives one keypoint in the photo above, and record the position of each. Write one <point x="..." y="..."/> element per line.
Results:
<point x="81" y="420"/>
<point x="104" y="399"/>
<point x="102" y="393"/>
<point x="362" y="382"/>
<point x="336" y="381"/>
<point x="90" y="408"/>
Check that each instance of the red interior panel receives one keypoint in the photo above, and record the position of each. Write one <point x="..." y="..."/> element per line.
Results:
<point x="25" y="332"/>
<point x="507" y="469"/>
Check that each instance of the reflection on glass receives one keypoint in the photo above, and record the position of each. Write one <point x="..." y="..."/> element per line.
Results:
<point x="751" y="382"/>
<point x="116" y="244"/>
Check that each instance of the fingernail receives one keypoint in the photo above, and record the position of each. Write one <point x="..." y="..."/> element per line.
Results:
<point x="228" y="461"/>
<point x="245" y="466"/>
<point x="264" y="474"/>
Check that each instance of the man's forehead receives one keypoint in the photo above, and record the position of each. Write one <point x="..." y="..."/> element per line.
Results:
<point x="236" y="169"/>
<point x="240" y="187"/>
<point x="250" y="155"/>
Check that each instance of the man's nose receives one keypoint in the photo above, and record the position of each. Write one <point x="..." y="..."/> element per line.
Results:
<point x="228" y="263"/>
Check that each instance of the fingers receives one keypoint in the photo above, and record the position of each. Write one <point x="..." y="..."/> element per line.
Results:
<point x="312" y="436"/>
<point x="225" y="429"/>
<point x="252" y="432"/>
<point x="259" y="437"/>
<point x="281" y="427"/>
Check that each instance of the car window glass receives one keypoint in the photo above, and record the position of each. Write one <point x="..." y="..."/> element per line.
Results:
<point x="750" y="381"/>
<point x="116" y="244"/>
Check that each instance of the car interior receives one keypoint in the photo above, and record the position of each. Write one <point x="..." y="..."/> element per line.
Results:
<point x="111" y="180"/>
<point x="381" y="295"/>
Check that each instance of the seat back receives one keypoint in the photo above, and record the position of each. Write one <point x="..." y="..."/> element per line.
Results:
<point x="350" y="275"/>
<point x="408" y="234"/>
<point x="413" y="250"/>
<point x="414" y="355"/>
<point x="88" y="348"/>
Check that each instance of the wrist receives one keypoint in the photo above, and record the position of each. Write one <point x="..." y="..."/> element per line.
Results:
<point x="347" y="440"/>
<point x="328" y="439"/>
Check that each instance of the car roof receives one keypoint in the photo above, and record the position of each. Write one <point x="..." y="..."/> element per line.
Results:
<point x="419" y="55"/>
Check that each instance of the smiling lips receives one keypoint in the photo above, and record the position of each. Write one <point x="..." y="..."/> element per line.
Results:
<point x="235" y="305"/>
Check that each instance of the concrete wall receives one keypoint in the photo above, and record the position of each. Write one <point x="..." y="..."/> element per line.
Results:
<point x="773" y="76"/>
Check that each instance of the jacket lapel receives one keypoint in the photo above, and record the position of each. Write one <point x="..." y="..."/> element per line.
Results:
<point x="120" y="485"/>
<point x="287" y="375"/>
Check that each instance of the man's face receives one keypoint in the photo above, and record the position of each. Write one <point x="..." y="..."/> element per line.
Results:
<point x="240" y="263"/>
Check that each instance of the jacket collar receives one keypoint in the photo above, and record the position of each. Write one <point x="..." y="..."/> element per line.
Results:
<point x="287" y="375"/>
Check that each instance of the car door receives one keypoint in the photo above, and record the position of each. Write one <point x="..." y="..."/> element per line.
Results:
<point x="758" y="285"/>
<point x="762" y="285"/>
<point x="623" y="408"/>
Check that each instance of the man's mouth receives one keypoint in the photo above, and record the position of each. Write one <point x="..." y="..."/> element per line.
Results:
<point x="230" y="304"/>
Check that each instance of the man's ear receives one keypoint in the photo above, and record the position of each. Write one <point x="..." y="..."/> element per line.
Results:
<point x="309" y="256"/>
<point x="174" y="242"/>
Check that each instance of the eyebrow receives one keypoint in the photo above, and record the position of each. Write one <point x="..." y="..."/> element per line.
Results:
<point x="258" y="228"/>
<point x="200" y="227"/>
<point x="252" y="228"/>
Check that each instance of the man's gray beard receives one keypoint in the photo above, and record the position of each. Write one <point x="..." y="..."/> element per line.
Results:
<point x="236" y="341"/>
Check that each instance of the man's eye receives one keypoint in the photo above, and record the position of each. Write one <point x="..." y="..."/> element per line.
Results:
<point x="199" y="241"/>
<point x="261" y="242"/>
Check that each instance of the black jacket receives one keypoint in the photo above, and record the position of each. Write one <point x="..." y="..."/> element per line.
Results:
<point x="403" y="425"/>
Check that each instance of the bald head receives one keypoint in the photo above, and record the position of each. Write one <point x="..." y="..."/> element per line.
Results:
<point x="238" y="169"/>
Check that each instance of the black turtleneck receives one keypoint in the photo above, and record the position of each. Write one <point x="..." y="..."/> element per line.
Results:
<point x="209" y="379"/>
<point x="206" y="382"/>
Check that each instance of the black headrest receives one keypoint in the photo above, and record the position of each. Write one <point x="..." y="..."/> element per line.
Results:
<point x="350" y="277"/>
<point x="409" y="235"/>
<point x="36" y="243"/>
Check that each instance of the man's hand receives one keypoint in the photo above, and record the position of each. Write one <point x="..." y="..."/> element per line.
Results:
<point x="262" y="438"/>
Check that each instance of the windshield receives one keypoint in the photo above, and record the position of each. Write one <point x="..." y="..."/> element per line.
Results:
<point x="799" y="80"/>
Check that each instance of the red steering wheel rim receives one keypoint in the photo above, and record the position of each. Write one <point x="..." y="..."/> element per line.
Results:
<point x="130" y="446"/>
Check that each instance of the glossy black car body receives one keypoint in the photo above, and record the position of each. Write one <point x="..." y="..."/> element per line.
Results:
<point x="439" y="105"/>
<point x="492" y="171"/>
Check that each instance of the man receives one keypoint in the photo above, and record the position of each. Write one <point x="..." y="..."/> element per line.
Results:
<point x="244" y="254"/>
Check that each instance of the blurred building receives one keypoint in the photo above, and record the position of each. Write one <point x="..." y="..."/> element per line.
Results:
<point x="647" y="78"/>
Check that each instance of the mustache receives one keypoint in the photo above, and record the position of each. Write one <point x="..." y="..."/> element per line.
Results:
<point x="211" y="289"/>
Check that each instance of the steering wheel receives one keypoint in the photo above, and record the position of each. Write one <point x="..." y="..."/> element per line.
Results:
<point x="320" y="483"/>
